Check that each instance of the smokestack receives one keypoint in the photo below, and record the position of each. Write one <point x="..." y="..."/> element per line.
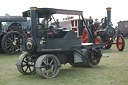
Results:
<point x="33" y="16"/>
<point x="109" y="14"/>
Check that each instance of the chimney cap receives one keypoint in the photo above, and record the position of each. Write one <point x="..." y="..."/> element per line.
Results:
<point x="33" y="8"/>
<point x="108" y="8"/>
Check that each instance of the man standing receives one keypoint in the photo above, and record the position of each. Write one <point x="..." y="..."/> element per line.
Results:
<point x="90" y="20"/>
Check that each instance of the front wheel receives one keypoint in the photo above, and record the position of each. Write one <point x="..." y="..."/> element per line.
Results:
<point x="47" y="66"/>
<point x="25" y="64"/>
<point x="120" y="43"/>
<point x="108" y="44"/>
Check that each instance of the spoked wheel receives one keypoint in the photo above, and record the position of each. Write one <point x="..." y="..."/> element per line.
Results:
<point x="26" y="64"/>
<point x="1" y="37"/>
<point x="92" y="58"/>
<point x="47" y="66"/>
<point x="11" y="42"/>
<point x="98" y="40"/>
<point x="108" y="44"/>
<point x="120" y="43"/>
<point x="86" y="36"/>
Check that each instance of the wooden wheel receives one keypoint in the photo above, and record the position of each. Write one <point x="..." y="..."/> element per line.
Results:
<point x="47" y="66"/>
<point x="120" y="43"/>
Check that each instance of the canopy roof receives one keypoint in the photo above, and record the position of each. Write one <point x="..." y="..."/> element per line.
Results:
<point x="12" y="19"/>
<point x="49" y="11"/>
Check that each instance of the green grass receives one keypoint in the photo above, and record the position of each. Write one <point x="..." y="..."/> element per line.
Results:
<point x="110" y="71"/>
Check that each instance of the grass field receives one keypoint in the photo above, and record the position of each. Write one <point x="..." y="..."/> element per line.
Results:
<point x="110" y="71"/>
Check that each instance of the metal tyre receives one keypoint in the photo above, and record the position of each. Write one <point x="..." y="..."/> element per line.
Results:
<point x="94" y="58"/>
<point x="85" y="36"/>
<point x="92" y="61"/>
<point x="47" y="66"/>
<point x="26" y="64"/>
<point x="120" y="43"/>
<point x="12" y="42"/>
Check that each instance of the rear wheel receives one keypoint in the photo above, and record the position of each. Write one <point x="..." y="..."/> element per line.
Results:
<point x="47" y="66"/>
<point x="12" y="42"/>
<point x="85" y="36"/>
<point x="120" y="43"/>
<point x="91" y="60"/>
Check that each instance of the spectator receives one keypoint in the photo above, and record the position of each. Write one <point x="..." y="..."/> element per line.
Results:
<point x="96" y="21"/>
<point x="96" y="24"/>
<point x="90" y="20"/>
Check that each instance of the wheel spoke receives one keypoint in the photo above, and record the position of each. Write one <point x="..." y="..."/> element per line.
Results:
<point x="12" y="49"/>
<point x="24" y="65"/>
<point x="17" y="47"/>
<point x="26" y="69"/>
<point x="51" y="62"/>
<point x="9" y="43"/>
<point x="8" y="46"/>
<point x="47" y="72"/>
<point x="18" y="37"/>
<point x="47" y="61"/>
<point x="52" y="71"/>
<point x="10" y="39"/>
<point x="30" y="69"/>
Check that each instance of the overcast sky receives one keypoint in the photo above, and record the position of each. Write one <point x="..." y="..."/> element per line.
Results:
<point x="94" y="8"/>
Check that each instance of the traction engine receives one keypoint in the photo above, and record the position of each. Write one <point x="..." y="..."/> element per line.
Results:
<point x="50" y="47"/>
<point x="104" y="33"/>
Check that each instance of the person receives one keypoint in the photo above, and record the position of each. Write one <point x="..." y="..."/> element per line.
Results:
<point x="96" y="21"/>
<point x="91" y="26"/>
<point x="39" y="26"/>
<point x="96" y="24"/>
<point x="45" y="21"/>
<point x="57" y="22"/>
<point x="90" y="20"/>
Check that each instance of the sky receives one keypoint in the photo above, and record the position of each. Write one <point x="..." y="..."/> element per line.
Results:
<point x="94" y="8"/>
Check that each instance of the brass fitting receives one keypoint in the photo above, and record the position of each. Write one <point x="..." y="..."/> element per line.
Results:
<point x="109" y="8"/>
<point x="33" y="8"/>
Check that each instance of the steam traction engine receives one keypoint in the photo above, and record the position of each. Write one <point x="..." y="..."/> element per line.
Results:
<point x="50" y="47"/>
<point x="104" y="33"/>
<point x="11" y="38"/>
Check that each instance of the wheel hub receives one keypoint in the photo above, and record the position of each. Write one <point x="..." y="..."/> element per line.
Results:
<point x="48" y="67"/>
<point x="14" y="43"/>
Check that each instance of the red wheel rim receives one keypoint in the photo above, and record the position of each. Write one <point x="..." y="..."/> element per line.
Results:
<point x="119" y="43"/>
<point x="85" y="38"/>
<point x="97" y="41"/>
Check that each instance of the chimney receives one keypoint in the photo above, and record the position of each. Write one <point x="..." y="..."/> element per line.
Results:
<point x="109" y="14"/>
